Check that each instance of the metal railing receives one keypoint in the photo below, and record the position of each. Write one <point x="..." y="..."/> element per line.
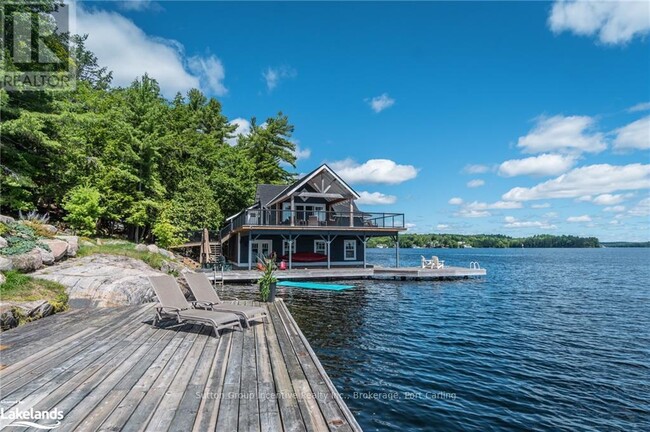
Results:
<point x="314" y="218"/>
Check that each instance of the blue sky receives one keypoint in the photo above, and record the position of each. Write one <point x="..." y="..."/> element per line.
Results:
<point x="518" y="118"/>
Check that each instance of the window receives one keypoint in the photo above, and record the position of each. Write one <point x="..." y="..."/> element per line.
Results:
<point x="261" y="249"/>
<point x="350" y="250"/>
<point x="285" y="247"/>
<point x="303" y="211"/>
<point x="320" y="246"/>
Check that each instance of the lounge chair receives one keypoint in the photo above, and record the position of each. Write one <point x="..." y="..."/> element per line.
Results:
<point x="425" y="262"/>
<point x="207" y="298"/>
<point x="173" y="304"/>
<point x="436" y="263"/>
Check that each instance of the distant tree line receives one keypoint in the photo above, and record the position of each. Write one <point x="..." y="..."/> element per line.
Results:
<point x="486" y="241"/>
<point x="109" y="160"/>
<point x="625" y="244"/>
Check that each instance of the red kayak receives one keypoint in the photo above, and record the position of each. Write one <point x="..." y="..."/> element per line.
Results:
<point x="306" y="257"/>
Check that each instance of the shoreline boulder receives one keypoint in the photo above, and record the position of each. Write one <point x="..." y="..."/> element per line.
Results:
<point x="27" y="262"/>
<point x="58" y="247"/>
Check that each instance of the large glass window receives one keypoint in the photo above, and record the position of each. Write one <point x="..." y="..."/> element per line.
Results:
<point x="350" y="248"/>
<point x="285" y="247"/>
<point x="261" y="249"/>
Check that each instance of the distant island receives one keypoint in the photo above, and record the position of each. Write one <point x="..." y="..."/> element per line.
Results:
<point x="491" y="241"/>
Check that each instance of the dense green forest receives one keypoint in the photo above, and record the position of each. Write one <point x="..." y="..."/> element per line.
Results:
<point x="485" y="241"/>
<point x="107" y="160"/>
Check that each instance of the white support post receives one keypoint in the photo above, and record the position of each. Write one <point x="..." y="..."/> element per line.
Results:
<point x="364" y="250"/>
<point x="250" y="250"/>
<point x="293" y="211"/>
<point x="329" y="258"/>
<point x="290" y="243"/>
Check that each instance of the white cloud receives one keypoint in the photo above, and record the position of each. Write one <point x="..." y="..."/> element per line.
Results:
<point x="584" y="198"/>
<point x="380" y="103"/>
<point x="641" y="209"/>
<point x="587" y="180"/>
<point x="476" y="169"/>
<point x="135" y="5"/>
<point x="302" y="153"/>
<point x="609" y="199"/>
<point x="540" y="206"/>
<point x="475" y="183"/>
<point x="563" y="134"/>
<point x="550" y="215"/>
<point x="583" y="218"/>
<point x="469" y="213"/>
<point x="383" y="171"/>
<point x="211" y="73"/>
<point x="409" y="225"/>
<point x="613" y="22"/>
<point x="615" y="209"/>
<point x="129" y="52"/>
<point x="543" y="165"/>
<point x="456" y="201"/>
<point x="243" y="128"/>
<point x="375" y="198"/>
<point x="442" y="227"/>
<point x="478" y="209"/>
<point x="273" y="75"/>
<point x="512" y="222"/>
<point x="499" y="205"/>
<point x="643" y="106"/>
<point x="635" y="136"/>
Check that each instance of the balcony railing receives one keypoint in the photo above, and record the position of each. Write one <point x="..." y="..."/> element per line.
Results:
<point x="314" y="218"/>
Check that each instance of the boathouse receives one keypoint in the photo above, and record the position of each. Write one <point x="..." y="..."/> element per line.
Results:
<point x="313" y="222"/>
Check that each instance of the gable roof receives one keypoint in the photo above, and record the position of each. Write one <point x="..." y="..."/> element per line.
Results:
<point x="266" y="192"/>
<point x="343" y="188"/>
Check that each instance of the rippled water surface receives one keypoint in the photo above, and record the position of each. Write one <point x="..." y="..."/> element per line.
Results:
<point x="551" y="339"/>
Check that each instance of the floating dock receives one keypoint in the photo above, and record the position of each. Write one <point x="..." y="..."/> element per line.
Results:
<point x="380" y="273"/>
<point x="110" y="369"/>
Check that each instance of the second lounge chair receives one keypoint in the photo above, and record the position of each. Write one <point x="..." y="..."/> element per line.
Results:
<point x="172" y="303"/>
<point x="207" y="297"/>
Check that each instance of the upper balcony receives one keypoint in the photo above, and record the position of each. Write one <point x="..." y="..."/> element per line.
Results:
<point x="314" y="220"/>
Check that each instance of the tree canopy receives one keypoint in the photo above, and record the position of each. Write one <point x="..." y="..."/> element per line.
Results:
<point x="153" y="163"/>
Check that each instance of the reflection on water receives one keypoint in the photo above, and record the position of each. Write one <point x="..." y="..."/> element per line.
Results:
<point x="549" y="340"/>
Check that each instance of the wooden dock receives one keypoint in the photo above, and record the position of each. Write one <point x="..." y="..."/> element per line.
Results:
<point x="380" y="273"/>
<point x="109" y="369"/>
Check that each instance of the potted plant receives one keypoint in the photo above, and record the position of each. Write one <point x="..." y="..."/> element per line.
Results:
<point x="268" y="280"/>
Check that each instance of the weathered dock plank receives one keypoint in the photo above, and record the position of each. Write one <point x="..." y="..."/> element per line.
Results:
<point x="113" y="371"/>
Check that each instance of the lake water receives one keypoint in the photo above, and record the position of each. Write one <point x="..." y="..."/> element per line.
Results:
<point x="551" y="339"/>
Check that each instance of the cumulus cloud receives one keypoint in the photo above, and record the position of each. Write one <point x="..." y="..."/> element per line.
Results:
<point x="135" y="5"/>
<point x="641" y="209"/>
<point x="383" y="171"/>
<point x="572" y="134"/>
<point x="380" y="103"/>
<point x="540" y="206"/>
<point x="477" y="209"/>
<point x="609" y="199"/>
<point x="543" y="165"/>
<point x="512" y="222"/>
<point x="130" y="53"/>
<point x="302" y="153"/>
<point x="211" y="73"/>
<point x="442" y="227"/>
<point x="586" y="181"/>
<point x="273" y="75"/>
<point x="583" y="218"/>
<point x="475" y="183"/>
<point x="634" y="136"/>
<point x="615" y="209"/>
<point x="612" y="22"/>
<point x="476" y="169"/>
<point x="243" y="128"/>
<point x="375" y="198"/>
<point x="456" y="201"/>
<point x="643" y="106"/>
<point x="409" y="225"/>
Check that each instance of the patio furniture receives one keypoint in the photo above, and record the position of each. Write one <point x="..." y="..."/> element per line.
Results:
<point x="206" y="297"/>
<point x="172" y="303"/>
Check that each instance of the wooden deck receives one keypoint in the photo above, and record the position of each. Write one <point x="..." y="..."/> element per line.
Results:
<point x="111" y="370"/>
<point x="383" y="273"/>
